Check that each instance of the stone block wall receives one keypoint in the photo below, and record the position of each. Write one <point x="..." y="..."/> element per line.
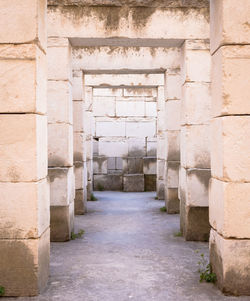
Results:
<point x="80" y="155"/>
<point x="124" y="140"/>
<point x="229" y="192"/>
<point x="60" y="139"/>
<point x="24" y="214"/>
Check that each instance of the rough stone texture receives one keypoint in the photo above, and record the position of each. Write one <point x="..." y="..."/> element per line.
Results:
<point x="172" y="201"/>
<point x="108" y="182"/>
<point x="127" y="237"/>
<point x="150" y="182"/>
<point x="230" y="259"/>
<point x="61" y="222"/>
<point x="80" y="202"/>
<point x="26" y="277"/>
<point x="143" y="3"/>
<point x="133" y="183"/>
<point x="195" y="223"/>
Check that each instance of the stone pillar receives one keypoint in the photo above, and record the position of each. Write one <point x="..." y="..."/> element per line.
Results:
<point x="229" y="196"/>
<point x="172" y="137"/>
<point x="161" y="154"/>
<point x="60" y="139"/>
<point x="89" y="132"/>
<point x="194" y="140"/>
<point x="79" y="144"/>
<point x="24" y="214"/>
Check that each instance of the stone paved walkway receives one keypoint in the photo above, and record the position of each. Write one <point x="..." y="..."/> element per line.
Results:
<point x="129" y="252"/>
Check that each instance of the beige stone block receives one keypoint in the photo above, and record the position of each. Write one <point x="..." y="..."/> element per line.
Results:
<point x="88" y="98"/>
<point x="161" y="97"/>
<point x="136" y="147"/>
<point x="80" y="152"/>
<point x="149" y="166"/>
<point x="26" y="277"/>
<point x="195" y="103"/>
<point x="108" y="182"/>
<point x="230" y="261"/>
<point x="60" y="144"/>
<point x="160" y="189"/>
<point x="28" y="21"/>
<point x="89" y="123"/>
<point x="133" y="183"/>
<point x="150" y="109"/>
<point x="229" y="28"/>
<point x="161" y="147"/>
<point x="104" y="106"/>
<point x="77" y="86"/>
<point x="23" y="79"/>
<point x="140" y="129"/>
<point x="230" y="84"/>
<point x="172" y="174"/>
<point x="113" y="148"/>
<point x="89" y="149"/>
<point x="79" y="175"/>
<point x="171" y="200"/>
<point x="160" y="168"/>
<point x="89" y="170"/>
<point x="60" y="102"/>
<point x="62" y="186"/>
<point x="172" y="142"/>
<point x="151" y="146"/>
<point x="59" y="59"/>
<point x="23" y="149"/>
<point x="78" y="116"/>
<point x="161" y="122"/>
<point x="140" y="91"/>
<point x="25" y="209"/>
<point x="80" y="202"/>
<point x="196" y="63"/>
<point x="129" y="108"/>
<point x="229" y="208"/>
<point x="230" y="156"/>
<point x="61" y="222"/>
<point x="110" y="128"/>
<point x="107" y="91"/>
<point x="195" y="146"/>
<point x="173" y="86"/>
<point x="173" y="114"/>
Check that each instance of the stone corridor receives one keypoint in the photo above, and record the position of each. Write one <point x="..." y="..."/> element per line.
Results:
<point x="129" y="251"/>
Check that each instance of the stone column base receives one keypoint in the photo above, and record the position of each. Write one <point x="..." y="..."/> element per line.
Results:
<point x="172" y="201"/>
<point x="230" y="261"/>
<point x="25" y="265"/>
<point x="61" y="222"/>
<point x="194" y="222"/>
<point x="80" y="202"/>
<point x="160" y="189"/>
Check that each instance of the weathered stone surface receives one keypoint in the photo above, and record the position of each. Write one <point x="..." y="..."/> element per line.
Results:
<point x="78" y="116"/>
<point x="160" y="169"/>
<point x="108" y="182"/>
<point x="173" y="85"/>
<point x="130" y="109"/>
<point x="173" y="115"/>
<point x="143" y="3"/>
<point x="80" y="153"/>
<point x="196" y="103"/>
<point x="150" y="182"/>
<point x="21" y="66"/>
<point x="59" y="50"/>
<point x="194" y="222"/>
<point x="60" y="143"/>
<point x="133" y="183"/>
<point x="140" y="129"/>
<point x="59" y="102"/>
<point x="229" y="208"/>
<point x="172" y="174"/>
<point x="230" y="260"/>
<point x="62" y="185"/>
<point x="80" y="202"/>
<point x="230" y="159"/>
<point x="79" y="174"/>
<point x="61" y="222"/>
<point x="230" y="85"/>
<point x="172" y="140"/>
<point x="149" y="165"/>
<point x="104" y="106"/>
<point x="160" y="189"/>
<point x="26" y="277"/>
<point x="18" y="31"/>
<point x="100" y="165"/>
<point x="136" y="147"/>
<point x="24" y="209"/>
<point x="172" y="201"/>
<point x="77" y="86"/>
<point x="113" y="148"/>
<point x="109" y="128"/>
<point x="195" y="146"/>
<point x="229" y="28"/>
<point x="135" y="166"/>
<point x="23" y="149"/>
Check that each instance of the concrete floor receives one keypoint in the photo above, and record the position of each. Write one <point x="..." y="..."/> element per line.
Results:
<point x="128" y="252"/>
